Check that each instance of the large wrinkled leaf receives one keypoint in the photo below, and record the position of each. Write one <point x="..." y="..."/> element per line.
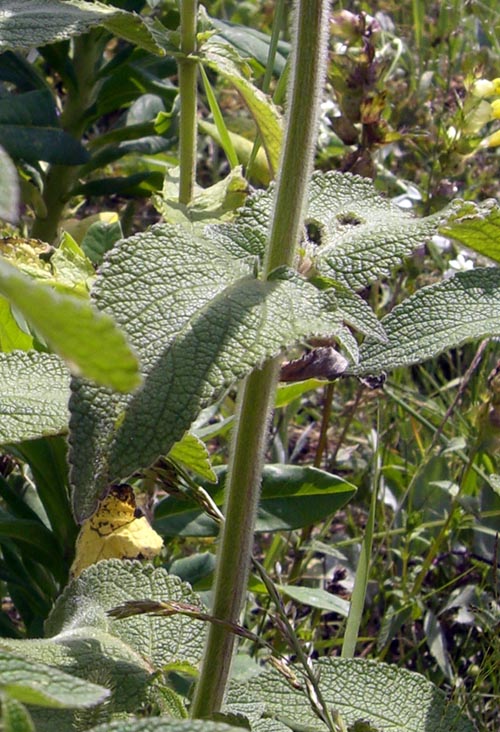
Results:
<point x="28" y="24"/>
<point x="34" y="393"/>
<point x="355" y="235"/>
<point x="435" y="318"/>
<point x="391" y="699"/>
<point x="118" y="654"/>
<point x="36" y="683"/>
<point x="163" y="725"/>
<point x="292" y="496"/>
<point x="199" y="320"/>
<point x="89" y="341"/>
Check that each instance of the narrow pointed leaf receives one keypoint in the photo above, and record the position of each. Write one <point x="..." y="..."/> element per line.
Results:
<point x="436" y="318"/>
<point x="316" y="597"/>
<point x="222" y="58"/>
<point x="88" y="340"/>
<point x="34" y="394"/>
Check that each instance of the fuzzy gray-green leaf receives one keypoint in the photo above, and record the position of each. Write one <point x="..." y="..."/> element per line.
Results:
<point x="390" y="698"/>
<point x="151" y="724"/>
<point x="118" y="654"/>
<point x="36" y="683"/>
<point x="38" y="22"/>
<point x="199" y="320"/>
<point x="34" y="393"/>
<point x="436" y="318"/>
<point x="354" y="235"/>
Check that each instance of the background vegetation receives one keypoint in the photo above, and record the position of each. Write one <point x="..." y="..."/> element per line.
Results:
<point x="403" y="107"/>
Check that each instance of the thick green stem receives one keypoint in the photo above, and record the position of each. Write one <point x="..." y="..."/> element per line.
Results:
<point x="256" y="395"/>
<point x="60" y="179"/>
<point x="187" y="92"/>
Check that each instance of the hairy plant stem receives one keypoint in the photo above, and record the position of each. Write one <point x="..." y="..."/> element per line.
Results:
<point x="59" y="180"/>
<point x="256" y="395"/>
<point x="188" y="67"/>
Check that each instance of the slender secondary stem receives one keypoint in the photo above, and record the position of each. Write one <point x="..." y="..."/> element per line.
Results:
<point x="187" y="91"/>
<point x="256" y="395"/>
<point x="87" y="50"/>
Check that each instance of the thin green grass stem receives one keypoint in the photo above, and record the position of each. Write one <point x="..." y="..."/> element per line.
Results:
<point x="363" y="569"/>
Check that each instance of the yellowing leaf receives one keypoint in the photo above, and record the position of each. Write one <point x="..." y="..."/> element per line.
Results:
<point x="116" y="530"/>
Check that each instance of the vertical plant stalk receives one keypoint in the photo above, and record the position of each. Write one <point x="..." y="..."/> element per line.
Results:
<point x="363" y="569"/>
<point x="256" y="394"/>
<point x="87" y="50"/>
<point x="188" y="67"/>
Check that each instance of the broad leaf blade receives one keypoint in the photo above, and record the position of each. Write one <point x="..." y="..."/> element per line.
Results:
<point x="29" y="24"/>
<point x="37" y="683"/>
<point x="153" y="724"/>
<point x="292" y="497"/>
<point x="88" y="340"/>
<point x="119" y="654"/>
<point x="34" y="393"/>
<point x="49" y="144"/>
<point x="199" y="321"/>
<point x="388" y="697"/>
<point x="436" y="318"/>
<point x="477" y="228"/>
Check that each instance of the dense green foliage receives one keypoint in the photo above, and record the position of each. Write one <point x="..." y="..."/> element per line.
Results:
<point x="376" y="529"/>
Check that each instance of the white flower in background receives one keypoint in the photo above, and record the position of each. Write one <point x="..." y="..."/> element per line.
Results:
<point x="462" y="263"/>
